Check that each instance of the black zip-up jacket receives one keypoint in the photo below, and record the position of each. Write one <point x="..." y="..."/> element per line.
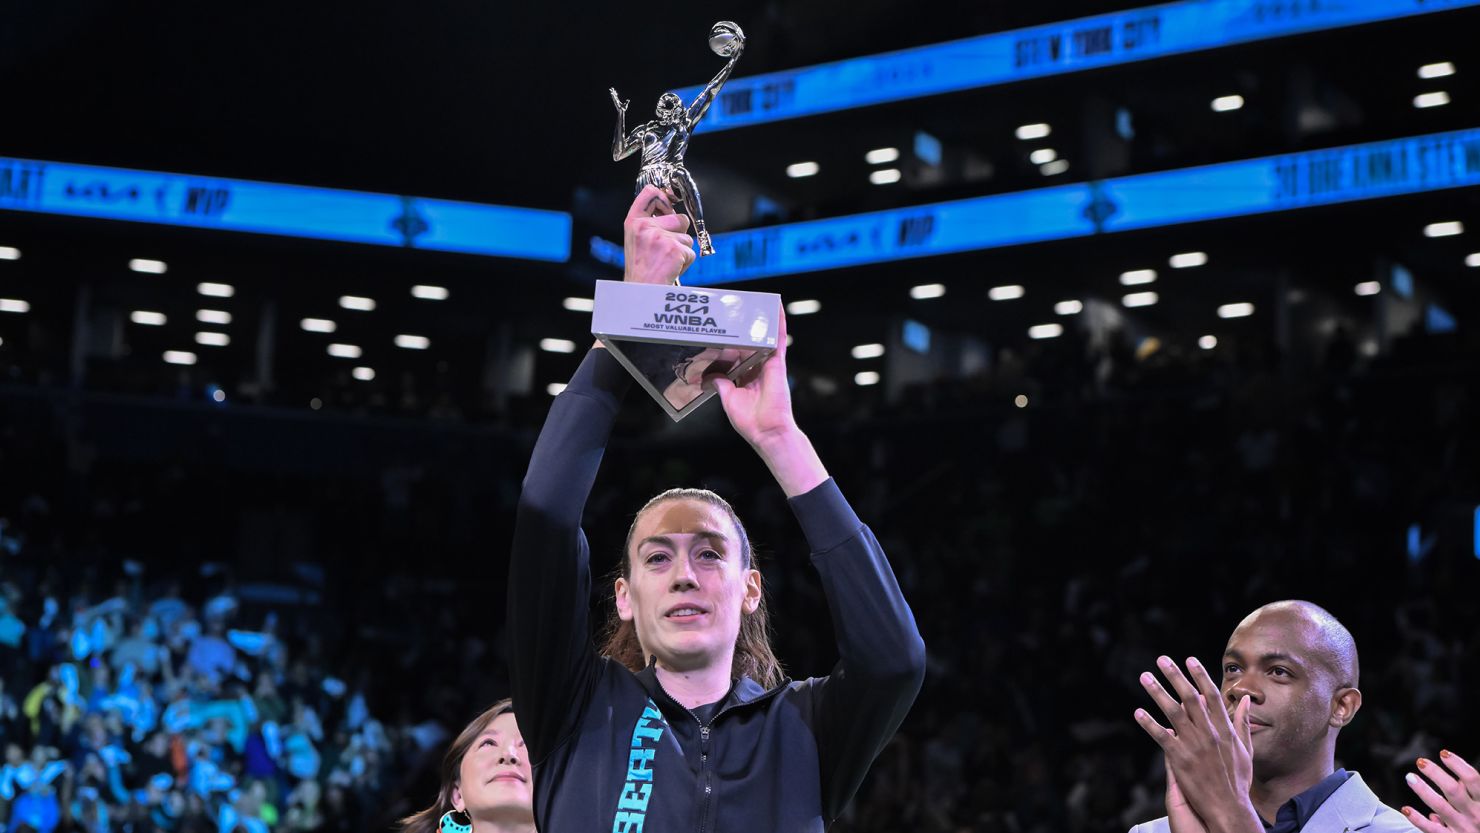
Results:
<point x="611" y="751"/>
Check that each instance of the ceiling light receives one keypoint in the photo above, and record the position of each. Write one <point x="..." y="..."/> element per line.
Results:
<point x="1045" y="331"/>
<point x="1239" y="310"/>
<point x="429" y="293"/>
<point x="885" y="176"/>
<point x="1445" y="229"/>
<point x="1068" y="307"/>
<point x="1438" y="70"/>
<point x="803" y="307"/>
<point x="1187" y="260"/>
<point x="212" y="339"/>
<point x="1207" y="342"/>
<point x="213" y="316"/>
<point x="927" y="290"/>
<point x="1140" y="299"/>
<point x="1043" y="156"/>
<point x="1011" y="292"/>
<point x="9" y="253"/>
<point x="152" y="267"/>
<point x="1136" y="277"/>
<point x="868" y="351"/>
<point x="1054" y="168"/>
<point x="1037" y="130"/>
<point x="216" y="290"/>
<point x="357" y="303"/>
<point x="1438" y="98"/>
<point x="1472" y="260"/>
<point x="881" y="156"/>
<point x="1227" y="103"/>
<point x="557" y="345"/>
<point x="410" y="342"/>
<point x="364" y="374"/>
<point x="555" y="388"/>
<point x="579" y="304"/>
<point x="318" y="325"/>
<point x="147" y="318"/>
<point x="866" y="378"/>
<point x="1368" y="288"/>
<point x="14" y="305"/>
<point x="345" y="351"/>
<point x="179" y="357"/>
<point x="797" y="170"/>
<point x="1020" y="400"/>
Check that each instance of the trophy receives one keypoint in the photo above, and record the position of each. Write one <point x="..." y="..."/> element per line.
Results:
<point x="670" y="338"/>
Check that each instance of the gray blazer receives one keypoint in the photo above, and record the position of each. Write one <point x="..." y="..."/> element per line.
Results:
<point x="1352" y="807"/>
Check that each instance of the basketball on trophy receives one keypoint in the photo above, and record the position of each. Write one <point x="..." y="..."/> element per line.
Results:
<point x="725" y="38"/>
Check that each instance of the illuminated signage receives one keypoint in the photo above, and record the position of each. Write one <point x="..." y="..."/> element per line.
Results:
<point x="288" y="210"/>
<point x="1254" y="186"/>
<point x="1052" y="49"/>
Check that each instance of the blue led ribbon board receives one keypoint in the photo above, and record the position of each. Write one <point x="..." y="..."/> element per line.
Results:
<point x="287" y="210"/>
<point x="1052" y="49"/>
<point x="1232" y="189"/>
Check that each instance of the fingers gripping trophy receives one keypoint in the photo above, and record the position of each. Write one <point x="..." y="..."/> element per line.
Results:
<point x="664" y="140"/>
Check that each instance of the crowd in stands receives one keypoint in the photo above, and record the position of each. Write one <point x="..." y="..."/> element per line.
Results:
<point x="193" y="645"/>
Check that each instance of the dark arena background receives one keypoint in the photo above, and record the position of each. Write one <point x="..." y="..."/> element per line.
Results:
<point x="1113" y="321"/>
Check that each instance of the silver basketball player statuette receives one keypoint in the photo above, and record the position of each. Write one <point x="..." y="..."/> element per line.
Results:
<point x="664" y="140"/>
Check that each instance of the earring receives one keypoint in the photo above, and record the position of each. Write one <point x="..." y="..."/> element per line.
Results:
<point x="450" y="824"/>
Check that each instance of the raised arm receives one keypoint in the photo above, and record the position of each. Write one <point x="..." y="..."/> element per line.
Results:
<point x="701" y="102"/>
<point x="881" y="658"/>
<point x="623" y="145"/>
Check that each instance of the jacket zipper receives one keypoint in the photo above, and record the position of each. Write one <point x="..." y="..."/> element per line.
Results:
<point x="703" y="766"/>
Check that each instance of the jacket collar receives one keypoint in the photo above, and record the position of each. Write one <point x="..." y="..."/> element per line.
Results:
<point x="743" y="692"/>
<point x="1353" y="803"/>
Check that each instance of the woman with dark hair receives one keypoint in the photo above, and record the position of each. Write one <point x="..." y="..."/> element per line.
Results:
<point x="485" y="781"/>
<point x="686" y="722"/>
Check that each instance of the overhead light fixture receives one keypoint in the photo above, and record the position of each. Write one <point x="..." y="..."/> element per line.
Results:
<point x="9" y="253"/>
<point x="797" y="170"/>
<point x="579" y="304"/>
<point x="151" y="267"/>
<point x="216" y="290"/>
<point x="1438" y="70"/>
<point x="212" y="339"/>
<point x="213" y="316"/>
<point x="1010" y="292"/>
<point x="1473" y="260"/>
<point x="1188" y="260"/>
<point x="179" y="357"/>
<point x="1438" y="98"/>
<point x="866" y="378"/>
<point x="1043" y="156"/>
<point x="925" y="291"/>
<point x="1227" y="103"/>
<point x="555" y="388"/>
<point x="1136" y="277"/>
<point x="14" y="305"/>
<point x="868" y="351"/>
<point x="1140" y="299"/>
<point x="885" y="176"/>
<point x="557" y="345"/>
<point x="1021" y="400"/>
<point x="1238" y="310"/>
<point x="1448" y="228"/>
<point x="1068" y="307"/>
<point x="429" y="293"/>
<point x="1207" y="342"/>
<point x="806" y="306"/>
<point x="147" y="318"/>
<point x="881" y="156"/>
<point x="345" y="351"/>
<point x="364" y="374"/>
<point x="318" y="325"/>
<point x="1368" y="288"/>
<point x="411" y="342"/>
<point x="357" y="303"/>
<point x="1029" y="132"/>
<point x="1054" y="168"/>
<point x="1040" y="331"/>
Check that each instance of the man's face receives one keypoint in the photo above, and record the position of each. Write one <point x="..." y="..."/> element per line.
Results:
<point x="1276" y="659"/>
<point x="688" y="583"/>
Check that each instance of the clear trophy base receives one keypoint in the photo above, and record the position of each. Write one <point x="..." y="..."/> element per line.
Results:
<point x="671" y="337"/>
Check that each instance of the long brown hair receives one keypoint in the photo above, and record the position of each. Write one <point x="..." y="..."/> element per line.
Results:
<point x="428" y="820"/>
<point x="753" y="655"/>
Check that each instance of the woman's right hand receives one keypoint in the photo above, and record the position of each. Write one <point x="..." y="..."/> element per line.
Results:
<point x="654" y="243"/>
